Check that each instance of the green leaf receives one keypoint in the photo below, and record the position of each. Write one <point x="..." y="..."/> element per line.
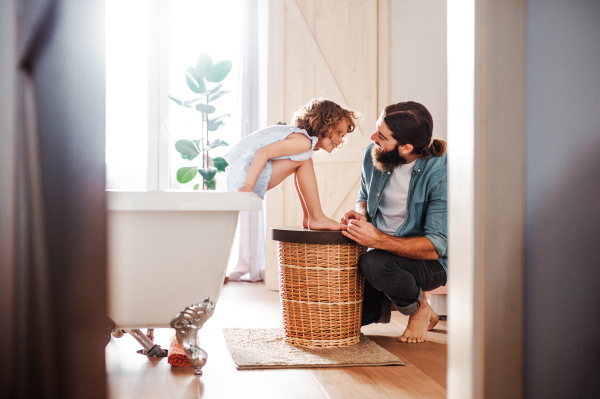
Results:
<point x="204" y="66"/>
<point x="220" y="163"/>
<point x="187" y="149"/>
<point x="197" y="186"/>
<point x="218" y="94"/>
<point x="216" y="143"/>
<point x="191" y="80"/>
<point x="205" y="108"/>
<point x="176" y="99"/>
<point x="196" y="85"/>
<point x="211" y="184"/>
<point x="218" y="119"/>
<point x="186" y="174"/>
<point x="215" y="123"/>
<point x="213" y="90"/>
<point x="190" y="101"/>
<point x="208" y="173"/>
<point x="220" y="71"/>
<point x="188" y="157"/>
<point x="215" y="126"/>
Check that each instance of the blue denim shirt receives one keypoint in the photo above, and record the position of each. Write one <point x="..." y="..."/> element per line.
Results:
<point x="427" y="202"/>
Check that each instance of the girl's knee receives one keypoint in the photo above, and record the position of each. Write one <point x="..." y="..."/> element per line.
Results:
<point x="307" y="162"/>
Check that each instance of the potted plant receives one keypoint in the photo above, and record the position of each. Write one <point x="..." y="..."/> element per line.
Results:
<point x="198" y="78"/>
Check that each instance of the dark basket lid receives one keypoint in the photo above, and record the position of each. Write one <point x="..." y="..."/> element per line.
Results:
<point x="301" y="235"/>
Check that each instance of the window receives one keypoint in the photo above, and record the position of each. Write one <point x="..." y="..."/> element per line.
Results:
<point x="149" y="43"/>
<point x="126" y="94"/>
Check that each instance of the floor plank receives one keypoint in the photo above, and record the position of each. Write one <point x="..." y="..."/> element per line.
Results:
<point x="349" y="382"/>
<point x="270" y="300"/>
<point x="408" y="382"/>
<point x="431" y="356"/>
<point x="131" y="375"/>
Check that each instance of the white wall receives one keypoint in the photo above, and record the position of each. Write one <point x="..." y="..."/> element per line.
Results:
<point x="418" y="57"/>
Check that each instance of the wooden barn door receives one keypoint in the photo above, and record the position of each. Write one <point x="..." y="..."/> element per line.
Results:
<point x="336" y="49"/>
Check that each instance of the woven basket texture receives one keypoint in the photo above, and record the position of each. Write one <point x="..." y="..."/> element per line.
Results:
<point x="321" y="291"/>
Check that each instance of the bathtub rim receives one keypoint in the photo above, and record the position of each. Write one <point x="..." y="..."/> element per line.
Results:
<point x="129" y="200"/>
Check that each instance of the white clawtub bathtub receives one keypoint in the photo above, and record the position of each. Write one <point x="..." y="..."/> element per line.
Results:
<point x="168" y="254"/>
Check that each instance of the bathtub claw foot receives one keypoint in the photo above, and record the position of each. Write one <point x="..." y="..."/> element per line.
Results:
<point x="186" y="325"/>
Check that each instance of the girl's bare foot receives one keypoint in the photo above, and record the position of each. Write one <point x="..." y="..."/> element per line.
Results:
<point x="305" y="222"/>
<point x="419" y="323"/>
<point x="324" y="223"/>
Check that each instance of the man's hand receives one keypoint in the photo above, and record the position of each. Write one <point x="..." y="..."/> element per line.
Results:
<point x="353" y="215"/>
<point x="363" y="232"/>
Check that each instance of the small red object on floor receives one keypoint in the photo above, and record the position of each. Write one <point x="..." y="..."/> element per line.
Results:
<point x="177" y="357"/>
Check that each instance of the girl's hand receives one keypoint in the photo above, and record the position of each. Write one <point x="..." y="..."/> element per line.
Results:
<point x="244" y="189"/>
<point x="352" y="215"/>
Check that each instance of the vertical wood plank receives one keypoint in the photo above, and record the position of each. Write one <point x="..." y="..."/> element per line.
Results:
<point x="276" y="63"/>
<point x="371" y="75"/>
<point x="330" y="49"/>
<point x="275" y="113"/>
<point x="384" y="37"/>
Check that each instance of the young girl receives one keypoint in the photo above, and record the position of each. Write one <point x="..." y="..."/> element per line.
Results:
<point x="263" y="159"/>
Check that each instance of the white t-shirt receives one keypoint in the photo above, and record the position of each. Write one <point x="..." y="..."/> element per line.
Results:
<point x="392" y="206"/>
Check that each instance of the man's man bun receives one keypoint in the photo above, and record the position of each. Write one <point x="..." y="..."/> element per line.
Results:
<point x="411" y="123"/>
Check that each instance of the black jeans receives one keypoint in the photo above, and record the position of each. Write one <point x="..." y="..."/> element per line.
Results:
<point x="393" y="279"/>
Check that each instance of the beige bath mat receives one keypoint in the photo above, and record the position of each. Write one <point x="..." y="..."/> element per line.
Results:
<point x="263" y="348"/>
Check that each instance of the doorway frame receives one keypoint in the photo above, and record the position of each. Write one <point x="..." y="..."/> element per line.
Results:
<point x="486" y="197"/>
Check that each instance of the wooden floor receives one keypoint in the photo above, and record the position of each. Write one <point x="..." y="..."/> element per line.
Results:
<point x="131" y="375"/>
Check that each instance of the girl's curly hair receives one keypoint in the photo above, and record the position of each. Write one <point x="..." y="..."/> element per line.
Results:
<point x="320" y="115"/>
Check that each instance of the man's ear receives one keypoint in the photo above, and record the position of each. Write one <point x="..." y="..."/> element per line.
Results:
<point x="407" y="149"/>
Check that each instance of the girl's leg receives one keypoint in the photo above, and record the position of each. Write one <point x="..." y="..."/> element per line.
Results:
<point x="308" y="190"/>
<point x="281" y="168"/>
<point x="304" y="210"/>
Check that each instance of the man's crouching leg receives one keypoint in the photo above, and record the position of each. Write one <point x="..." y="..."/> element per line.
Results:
<point x="400" y="279"/>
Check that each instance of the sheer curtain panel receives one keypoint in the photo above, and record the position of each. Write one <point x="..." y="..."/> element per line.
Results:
<point x="251" y="263"/>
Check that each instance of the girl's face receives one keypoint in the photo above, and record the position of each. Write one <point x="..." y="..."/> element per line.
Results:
<point x="334" y="138"/>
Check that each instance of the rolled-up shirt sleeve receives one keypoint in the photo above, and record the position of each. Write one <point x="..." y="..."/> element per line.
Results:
<point x="363" y="190"/>
<point x="436" y="218"/>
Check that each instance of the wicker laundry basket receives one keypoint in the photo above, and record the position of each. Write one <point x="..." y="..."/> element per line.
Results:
<point x="321" y="287"/>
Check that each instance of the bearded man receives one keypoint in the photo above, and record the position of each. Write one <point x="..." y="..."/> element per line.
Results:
<point x="401" y="215"/>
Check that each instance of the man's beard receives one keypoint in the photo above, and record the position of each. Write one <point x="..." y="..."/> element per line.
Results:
<point x="386" y="160"/>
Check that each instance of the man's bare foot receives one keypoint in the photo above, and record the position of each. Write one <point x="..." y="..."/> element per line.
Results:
<point x="419" y="323"/>
<point x="433" y="320"/>
<point x="325" y="223"/>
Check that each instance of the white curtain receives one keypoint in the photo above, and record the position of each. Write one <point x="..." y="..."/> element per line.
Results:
<point x="251" y="226"/>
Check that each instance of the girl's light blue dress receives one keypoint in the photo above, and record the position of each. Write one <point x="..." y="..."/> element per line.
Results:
<point x="241" y="155"/>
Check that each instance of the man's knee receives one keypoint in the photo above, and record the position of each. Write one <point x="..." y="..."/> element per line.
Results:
<point x="373" y="265"/>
